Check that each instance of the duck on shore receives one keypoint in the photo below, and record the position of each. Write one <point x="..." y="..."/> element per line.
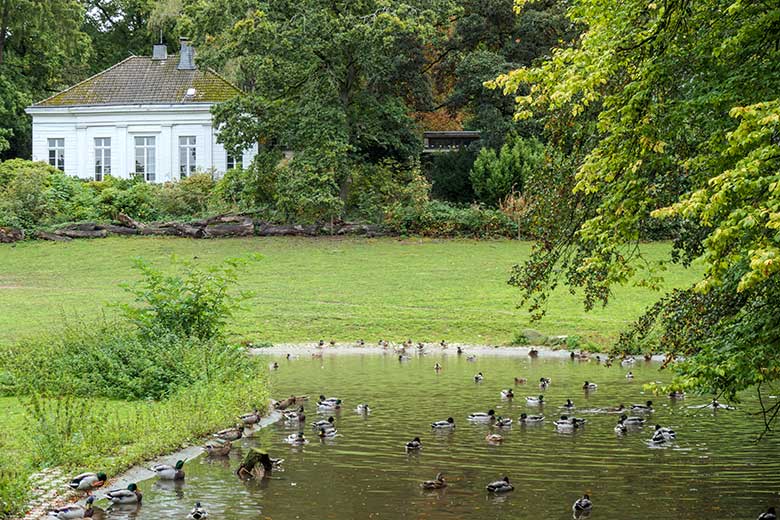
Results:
<point x="73" y="511"/>
<point x="88" y="481"/>
<point x="217" y="448"/>
<point x="231" y="434"/>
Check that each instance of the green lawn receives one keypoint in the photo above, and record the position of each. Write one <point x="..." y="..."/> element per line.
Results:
<point x="307" y="289"/>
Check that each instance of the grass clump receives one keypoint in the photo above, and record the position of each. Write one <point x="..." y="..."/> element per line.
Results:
<point x="109" y="394"/>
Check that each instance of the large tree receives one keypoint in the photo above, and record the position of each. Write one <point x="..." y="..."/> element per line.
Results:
<point x="671" y="108"/>
<point x="41" y="50"/>
<point x="338" y="78"/>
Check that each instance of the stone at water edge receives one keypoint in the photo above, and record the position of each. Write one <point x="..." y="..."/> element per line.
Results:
<point x="534" y="337"/>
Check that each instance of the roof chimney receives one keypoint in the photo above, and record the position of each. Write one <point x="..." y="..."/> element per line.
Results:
<point x="159" y="52"/>
<point x="186" y="55"/>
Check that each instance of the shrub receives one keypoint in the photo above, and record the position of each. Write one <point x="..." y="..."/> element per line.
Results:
<point x="496" y="175"/>
<point x="440" y="219"/>
<point x="189" y="197"/>
<point x="449" y="173"/>
<point x="307" y="188"/>
<point x="375" y="187"/>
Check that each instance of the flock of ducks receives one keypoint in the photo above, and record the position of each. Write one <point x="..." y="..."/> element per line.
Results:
<point x="293" y="413"/>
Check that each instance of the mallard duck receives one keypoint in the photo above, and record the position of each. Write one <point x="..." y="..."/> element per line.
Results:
<point x="621" y="428"/>
<point x="316" y="355"/>
<point x="443" y="344"/>
<point x="327" y="424"/>
<point x="333" y="343"/>
<point x="616" y="409"/>
<point x="521" y="380"/>
<point x="628" y="361"/>
<point x="197" y="513"/>
<point x="503" y="422"/>
<point x="530" y="419"/>
<point x="437" y="483"/>
<point x="494" y="438"/>
<point x="459" y="350"/>
<point x="88" y="481"/>
<point x="166" y="472"/>
<point x="420" y="347"/>
<point x="715" y="405"/>
<point x="533" y="352"/>
<point x="274" y="366"/>
<point x="539" y="400"/>
<point x="569" y="404"/>
<point x="662" y="434"/>
<point x="589" y="386"/>
<point x="363" y="409"/>
<point x="361" y="343"/>
<point x="218" y="448"/>
<point x="296" y="439"/>
<point x="286" y="403"/>
<point x="231" y="434"/>
<point x="329" y="404"/>
<point x="642" y="408"/>
<point x="437" y="366"/>
<point x="565" y="424"/>
<point x="414" y="444"/>
<point x="500" y="486"/>
<point x="408" y="343"/>
<point x="582" y="505"/>
<point x="383" y="343"/>
<point x="770" y="514"/>
<point x="479" y="377"/>
<point x="321" y="343"/>
<point x="73" y="511"/>
<point x="332" y="400"/>
<point x="507" y="394"/>
<point x="131" y="495"/>
<point x="250" y="418"/>
<point x="402" y="358"/>
<point x="472" y="358"/>
<point x="676" y="395"/>
<point x="442" y="425"/>
<point x="482" y="416"/>
<point x="543" y="384"/>
<point x="327" y="433"/>
<point x="294" y="415"/>
<point x="630" y="375"/>
<point x="632" y="421"/>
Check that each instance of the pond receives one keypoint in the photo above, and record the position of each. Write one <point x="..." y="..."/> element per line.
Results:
<point x="714" y="469"/>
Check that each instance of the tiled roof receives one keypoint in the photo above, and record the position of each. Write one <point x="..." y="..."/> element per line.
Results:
<point x="140" y="80"/>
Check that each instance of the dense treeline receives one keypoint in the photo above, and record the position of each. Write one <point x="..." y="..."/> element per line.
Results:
<point x="670" y="113"/>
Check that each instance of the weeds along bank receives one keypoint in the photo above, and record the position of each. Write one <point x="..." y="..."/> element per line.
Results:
<point x="102" y="396"/>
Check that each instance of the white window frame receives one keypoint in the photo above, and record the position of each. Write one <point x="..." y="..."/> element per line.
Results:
<point x="147" y="145"/>
<point x="57" y="152"/>
<point x="188" y="155"/>
<point x="102" y="157"/>
<point x="237" y="160"/>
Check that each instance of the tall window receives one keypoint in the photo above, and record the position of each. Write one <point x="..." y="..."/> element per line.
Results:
<point x="102" y="157"/>
<point x="234" y="161"/>
<point x="144" y="157"/>
<point x="57" y="153"/>
<point x="187" y="155"/>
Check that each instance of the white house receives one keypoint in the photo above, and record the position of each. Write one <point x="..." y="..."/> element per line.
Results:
<point x="146" y="116"/>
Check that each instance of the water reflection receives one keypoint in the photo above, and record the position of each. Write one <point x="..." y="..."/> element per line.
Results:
<point x="713" y="468"/>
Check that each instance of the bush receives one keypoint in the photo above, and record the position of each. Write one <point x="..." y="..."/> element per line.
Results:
<point x="194" y="303"/>
<point x="307" y="188"/>
<point x="440" y="219"/>
<point x="375" y="187"/>
<point x="494" y="176"/>
<point x="449" y="173"/>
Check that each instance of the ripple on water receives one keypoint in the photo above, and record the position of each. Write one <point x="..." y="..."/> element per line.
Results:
<point x="713" y="468"/>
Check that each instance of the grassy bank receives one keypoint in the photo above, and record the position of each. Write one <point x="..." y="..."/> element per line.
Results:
<point x="308" y="289"/>
<point x="103" y="394"/>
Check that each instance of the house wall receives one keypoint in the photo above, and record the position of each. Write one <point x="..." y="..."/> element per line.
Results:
<point x="79" y="126"/>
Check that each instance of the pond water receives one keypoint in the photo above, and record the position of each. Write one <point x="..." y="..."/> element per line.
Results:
<point x="713" y="470"/>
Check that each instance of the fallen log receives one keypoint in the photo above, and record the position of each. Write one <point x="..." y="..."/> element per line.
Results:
<point x="238" y="229"/>
<point x="79" y="233"/>
<point x="44" y="235"/>
<point x="8" y="235"/>
<point x="279" y="230"/>
<point x="129" y="222"/>
<point x="120" y="230"/>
